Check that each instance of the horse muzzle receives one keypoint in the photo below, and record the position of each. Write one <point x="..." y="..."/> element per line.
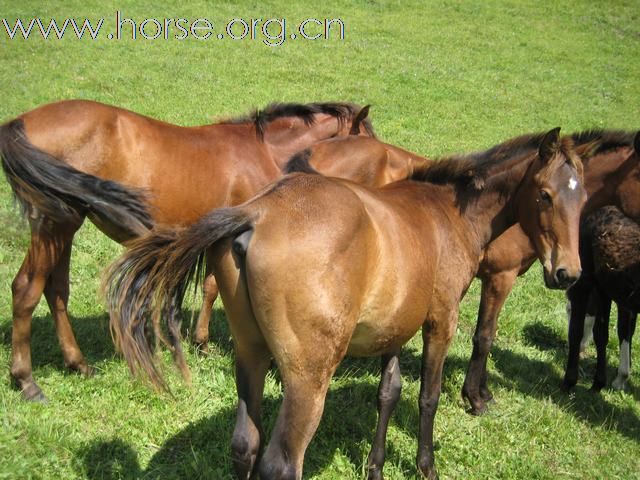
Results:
<point x="561" y="279"/>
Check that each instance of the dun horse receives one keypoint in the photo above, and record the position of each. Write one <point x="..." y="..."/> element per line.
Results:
<point x="610" y="168"/>
<point x="75" y="159"/>
<point x="610" y="254"/>
<point x="316" y="268"/>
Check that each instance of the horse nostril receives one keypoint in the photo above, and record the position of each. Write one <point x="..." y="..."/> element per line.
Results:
<point x="562" y="275"/>
<point x="564" y="279"/>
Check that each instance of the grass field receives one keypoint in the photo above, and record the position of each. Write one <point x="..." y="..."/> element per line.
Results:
<point x="442" y="77"/>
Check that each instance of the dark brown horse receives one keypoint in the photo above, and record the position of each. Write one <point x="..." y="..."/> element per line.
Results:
<point x="316" y="268"/>
<point x="610" y="254"/>
<point x="361" y="159"/>
<point x="74" y="159"/>
<point x="611" y="169"/>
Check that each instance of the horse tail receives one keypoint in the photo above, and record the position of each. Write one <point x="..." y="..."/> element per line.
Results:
<point x="147" y="285"/>
<point x="62" y="193"/>
<point x="361" y="117"/>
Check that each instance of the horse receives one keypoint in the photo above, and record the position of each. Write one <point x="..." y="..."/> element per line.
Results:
<point x="315" y="268"/>
<point x="610" y="163"/>
<point x="610" y="255"/>
<point x="74" y="159"/>
<point x="361" y="159"/>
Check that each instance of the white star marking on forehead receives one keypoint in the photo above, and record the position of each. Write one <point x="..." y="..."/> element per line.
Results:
<point x="573" y="183"/>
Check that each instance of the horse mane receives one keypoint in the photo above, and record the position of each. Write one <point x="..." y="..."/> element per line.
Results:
<point x="307" y="112"/>
<point x="472" y="173"/>
<point x="473" y="169"/>
<point x="299" y="162"/>
<point x="604" y="140"/>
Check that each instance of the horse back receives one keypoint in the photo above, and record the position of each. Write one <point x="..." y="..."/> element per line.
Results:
<point x="186" y="171"/>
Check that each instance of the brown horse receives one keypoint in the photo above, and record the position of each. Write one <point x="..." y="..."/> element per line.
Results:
<point x="316" y="268"/>
<point x="361" y="159"/>
<point x="74" y="159"/>
<point x="610" y="168"/>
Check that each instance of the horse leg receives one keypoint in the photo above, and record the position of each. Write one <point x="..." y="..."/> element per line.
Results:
<point x="579" y="297"/>
<point x="252" y="362"/>
<point x="589" y="320"/>
<point x="173" y="314"/>
<point x="304" y="396"/>
<point x="48" y="244"/>
<point x="626" y="328"/>
<point x="435" y="346"/>
<point x="601" y="338"/>
<point x="388" y="396"/>
<point x="56" y="291"/>
<point x="495" y="289"/>
<point x="209" y="294"/>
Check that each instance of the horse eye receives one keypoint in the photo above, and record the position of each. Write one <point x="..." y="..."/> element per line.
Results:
<point x="544" y="195"/>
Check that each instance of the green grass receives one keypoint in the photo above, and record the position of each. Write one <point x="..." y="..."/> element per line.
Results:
<point x="442" y="77"/>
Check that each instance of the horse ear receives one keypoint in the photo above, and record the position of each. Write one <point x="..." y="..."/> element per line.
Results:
<point x="549" y="144"/>
<point x="636" y="143"/>
<point x="362" y="114"/>
<point x="588" y="150"/>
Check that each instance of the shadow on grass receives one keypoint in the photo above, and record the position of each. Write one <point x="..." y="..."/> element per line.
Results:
<point x="543" y="338"/>
<point x="202" y="449"/>
<point x="94" y="338"/>
<point x="91" y="332"/>
<point x="540" y="379"/>
<point x="108" y="459"/>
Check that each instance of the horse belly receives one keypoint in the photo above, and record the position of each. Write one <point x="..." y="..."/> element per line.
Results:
<point x="379" y="332"/>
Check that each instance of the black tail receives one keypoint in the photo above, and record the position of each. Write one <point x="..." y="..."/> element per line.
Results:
<point x="148" y="283"/>
<point x="63" y="193"/>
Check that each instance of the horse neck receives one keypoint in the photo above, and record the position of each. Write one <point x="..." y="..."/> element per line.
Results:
<point x="602" y="176"/>
<point x="287" y="136"/>
<point x="493" y="210"/>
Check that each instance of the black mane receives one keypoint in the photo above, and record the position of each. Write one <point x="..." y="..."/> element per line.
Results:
<point x="604" y="140"/>
<point x="472" y="169"/>
<point x="307" y="112"/>
<point x="300" y="163"/>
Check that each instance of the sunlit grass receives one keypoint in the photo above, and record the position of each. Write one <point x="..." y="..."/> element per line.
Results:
<point x="442" y="77"/>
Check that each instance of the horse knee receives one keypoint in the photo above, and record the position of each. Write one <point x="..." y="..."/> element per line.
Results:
<point x="482" y="343"/>
<point x="57" y="295"/>
<point x="25" y="295"/>
<point x="429" y="405"/>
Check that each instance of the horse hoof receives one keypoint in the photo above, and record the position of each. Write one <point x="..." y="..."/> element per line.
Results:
<point x="427" y="468"/>
<point x="430" y="475"/>
<point x="82" y="368"/>
<point x="487" y="396"/>
<point x="375" y="474"/>
<point x="33" y="393"/>
<point x="478" y="410"/>
<point x="597" y="386"/>
<point x="566" y="386"/>
<point x="202" y="348"/>
<point x="619" y="384"/>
